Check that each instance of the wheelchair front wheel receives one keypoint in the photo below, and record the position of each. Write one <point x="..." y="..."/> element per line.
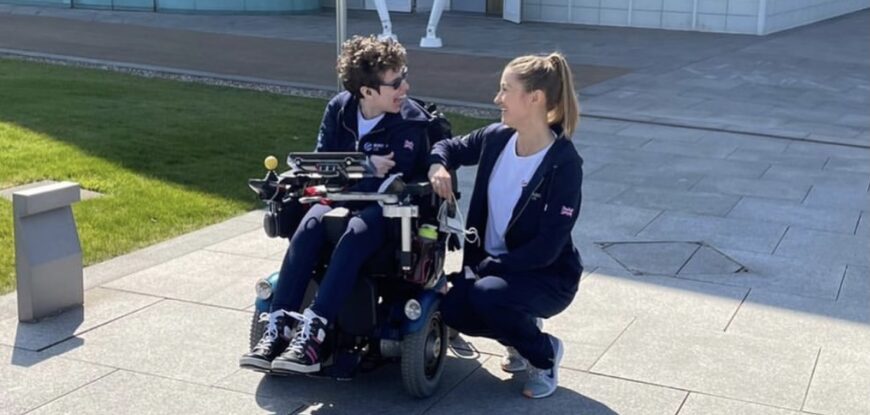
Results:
<point x="423" y="356"/>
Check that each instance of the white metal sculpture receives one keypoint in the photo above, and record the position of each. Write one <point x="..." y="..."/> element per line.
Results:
<point x="431" y="40"/>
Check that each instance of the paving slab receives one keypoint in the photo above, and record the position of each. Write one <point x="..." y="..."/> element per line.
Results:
<point x="579" y="392"/>
<point x="623" y="156"/>
<point x="817" y="149"/>
<point x="856" y="286"/>
<point x="793" y="214"/>
<point x="716" y="167"/>
<point x="848" y="164"/>
<point x="700" y="404"/>
<point x="124" y="391"/>
<point x="100" y="307"/>
<point x="183" y="341"/>
<point x="124" y="265"/>
<point x="817" y="177"/>
<point x="605" y="221"/>
<point x="708" y="260"/>
<point x="722" y="233"/>
<point x="806" y="321"/>
<point x="773" y="189"/>
<point x="29" y="379"/>
<point x="804" y="277"/>
<point x="355" y="396"/>
<point x="591" y="254"/>
<point x="703" y="148"/>
<point x="677" y="200"/>
<point x="608" y="140"/>
<point x="253" y="244"/>
<point x="655" y="258"/>
<point x="842" y="197"/>
<point x="826" y="247"/>
<point x="863" y="228"/>
<point x="600" y="125"/>
<point x="645" y="176"/>
<point x="667" y="300"/>
<point x="600" y="191"/>
<point x="662" y="132"/>
<point x="747" y="141"/>
<point x="840" y="382"/>
<point x="203" y="276"/>
<point x="807" y="161"/>
<point x="743" y="368"/>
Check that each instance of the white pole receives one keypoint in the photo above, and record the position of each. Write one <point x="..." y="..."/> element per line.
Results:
<point x="386" y="24"/>
<point x="340" y="33"/>
<point x="762" y="17"/>
<point x="431" y="40"/>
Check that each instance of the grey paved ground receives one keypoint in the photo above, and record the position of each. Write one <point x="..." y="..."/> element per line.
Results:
<point x="162" y="327"/>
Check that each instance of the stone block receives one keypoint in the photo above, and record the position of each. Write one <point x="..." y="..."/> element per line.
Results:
<point x="127" y="391"/>
<point x="204" y="277"/>
<point x="182" y="341"/>
<point x="825" y="247"/>
<point x="101" y="306"/>
<point x="737" y="367"/>
<point x="752" y="187"/>
<point x="793" y="214"/>
<point x="722" y="233"/>
<point x="840" y="382"/>
<point x="29" y="379"/>
<point x="677" y="200"/>
<point x="810" y="322"/>
<point x="579" y="392"/>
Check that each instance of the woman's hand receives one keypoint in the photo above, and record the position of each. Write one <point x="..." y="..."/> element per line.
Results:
<point x="382" y="164"/>
<point x="441" y="181"/>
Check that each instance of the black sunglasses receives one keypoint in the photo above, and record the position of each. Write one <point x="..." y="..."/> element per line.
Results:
<point x="397" y="83"/>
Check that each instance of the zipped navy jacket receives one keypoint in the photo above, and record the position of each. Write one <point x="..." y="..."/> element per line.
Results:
<point x="538" y="236"/>
<point x="403" y="133"/>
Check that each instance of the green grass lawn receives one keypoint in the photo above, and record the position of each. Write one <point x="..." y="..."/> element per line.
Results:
<point x="170" y="157"/>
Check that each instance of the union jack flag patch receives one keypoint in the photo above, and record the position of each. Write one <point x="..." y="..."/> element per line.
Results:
<point x="569" y="212"/>
<point x="409" y="145"/>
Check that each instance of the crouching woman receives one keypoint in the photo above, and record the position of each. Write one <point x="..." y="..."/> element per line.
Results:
<point x="524" y="204"/>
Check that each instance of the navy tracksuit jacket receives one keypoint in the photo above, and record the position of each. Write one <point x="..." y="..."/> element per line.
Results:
<point x="539" y="275"/>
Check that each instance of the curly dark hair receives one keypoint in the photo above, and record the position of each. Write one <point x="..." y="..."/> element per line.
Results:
<point x="364" y="59"/>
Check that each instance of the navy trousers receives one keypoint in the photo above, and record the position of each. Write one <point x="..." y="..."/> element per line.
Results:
<point x="364" y="235"/>
<point x="504" y="308"/>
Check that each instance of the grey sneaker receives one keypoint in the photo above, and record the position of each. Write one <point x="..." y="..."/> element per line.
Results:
<point x="543" y="382"/>
<point x="512" y="361"/>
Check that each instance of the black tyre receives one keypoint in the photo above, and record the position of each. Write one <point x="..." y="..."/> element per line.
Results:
<point x="423" y="356"/>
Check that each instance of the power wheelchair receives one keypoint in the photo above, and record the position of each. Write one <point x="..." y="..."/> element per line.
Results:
<point x="392" y="313"/>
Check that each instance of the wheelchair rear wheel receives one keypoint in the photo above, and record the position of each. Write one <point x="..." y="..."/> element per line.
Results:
<point x="423" y="356"/>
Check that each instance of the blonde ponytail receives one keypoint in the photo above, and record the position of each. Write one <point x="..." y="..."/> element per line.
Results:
<point x="552" y="75"/>
<point x="567" y="109"/>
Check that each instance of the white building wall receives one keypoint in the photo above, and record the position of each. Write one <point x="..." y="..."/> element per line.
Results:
<point x="725" y="16"/>
<point x="786" y="14"/>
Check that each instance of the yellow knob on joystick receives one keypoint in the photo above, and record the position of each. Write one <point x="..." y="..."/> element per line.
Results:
<point x="271" y="163"/>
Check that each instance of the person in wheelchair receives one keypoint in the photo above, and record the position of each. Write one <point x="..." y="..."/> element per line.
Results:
<point x="526" y="199"/>
<point x="374" y="116"/>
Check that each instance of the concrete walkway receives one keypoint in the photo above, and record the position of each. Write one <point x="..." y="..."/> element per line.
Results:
<point x="666" y="326"/>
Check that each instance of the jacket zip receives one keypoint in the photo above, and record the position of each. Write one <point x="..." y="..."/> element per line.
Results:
<point x="520" y="213"/>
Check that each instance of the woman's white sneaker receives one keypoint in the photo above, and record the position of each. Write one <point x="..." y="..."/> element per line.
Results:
<point x="543" y="382"/>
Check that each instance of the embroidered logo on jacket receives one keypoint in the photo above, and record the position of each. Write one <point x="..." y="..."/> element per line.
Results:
<point x="569" y="212"/>
<point x="409" y="145"/>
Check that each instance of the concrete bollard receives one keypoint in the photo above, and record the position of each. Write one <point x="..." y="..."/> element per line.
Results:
<point x="48" y="255"/>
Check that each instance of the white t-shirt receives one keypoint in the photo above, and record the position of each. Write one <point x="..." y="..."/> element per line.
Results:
<point x="509" y="176"/>
<point x="364" y="126"/>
